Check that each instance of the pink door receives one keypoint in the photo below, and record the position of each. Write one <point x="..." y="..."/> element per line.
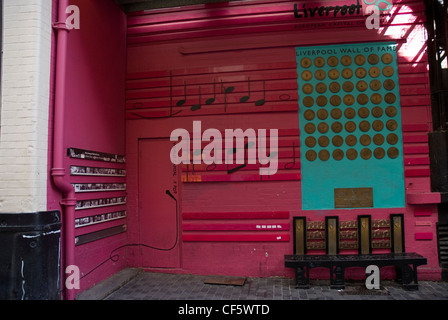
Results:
<point x="159" y="214"/>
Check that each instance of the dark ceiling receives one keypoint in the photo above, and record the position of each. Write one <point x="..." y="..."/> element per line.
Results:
<point x="139" y="5"/>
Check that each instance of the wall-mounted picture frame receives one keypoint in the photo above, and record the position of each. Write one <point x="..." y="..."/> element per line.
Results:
<point x="98" y="187"/>
<point x="98" y="203"/>
<point x="96" y="171"/>
<point x="99" y="218"/>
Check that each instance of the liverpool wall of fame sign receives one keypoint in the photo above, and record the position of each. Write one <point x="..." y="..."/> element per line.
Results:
<point x="350" y="126"/>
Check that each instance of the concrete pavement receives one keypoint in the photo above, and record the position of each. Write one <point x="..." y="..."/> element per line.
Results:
<point x="136" y="284"/>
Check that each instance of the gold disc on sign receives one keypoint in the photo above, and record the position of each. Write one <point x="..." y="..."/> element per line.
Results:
<point x="347" y="73"/>
<point x="388" y="71"/>
<point x="333" y="74"/>
<point x="377" y="112"/>
<point x="360" y="59"/>
<point x="366" y="154"/>
<point x="391" y="125"/>
<point x="376" y="98"/>
<point x="338" y="154"/>
<point x="365" y="140"/>
<point x="387" y="58"/>
<point x="378" y="139"/>
<point x="392" y="138"/>
<point x="336" y="127"/>
<point x="309" y="115"/>
<point x="335" y="87"/>
<point x="319" y="62"/>
<point x="360" y="73"/>
<point x="373" y="58"/>
<point x="332" y="61"/>
<point x="390" y="97"/>
<point x="322" y="114"/>
<point x="346" y="60"/>
<point x="321" y="101"/>
<point x="337" y="141"/>
<point x="349" y="99"/>
<point x="350" y="113"/>
<point x="322" y="127"/>
<point x="389" y="84"/>
<point x="350" y="140"/>
<point x="311" y="155"/>
<point x="321" y="87"/>
<point x="364" y="126"/>
<point x="350" y="126"/>
<point x="391" y="111"/>
<point x="310" y="128"/>
<point x="308" y="101"/>
<point x="352" y="154"/>
<point x="305" y="62"/>
<point x="320" y="74"/>
<point x="362" y="99"/>
<point x="363" y="112"/>
<point x="307" y="88"/>
<point x="310" y="142"/>
<point x="379" y="153"/>
<point x="307" y="75"/>
<point x="324" y="155"/>
<point x="348" y="86"/>
<point x="392" y="152"/>
<point x="335" y="100"/>
<point x="361" y="85"/>
<point x="378" y="125"/>
<point x="374" y="72"/>
<point x="323" y="141"/>
<point x="336" y="113"/>
<point x="375" y="85"/>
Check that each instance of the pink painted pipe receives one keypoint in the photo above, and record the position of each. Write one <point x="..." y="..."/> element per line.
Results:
<point x="58" y="172"/>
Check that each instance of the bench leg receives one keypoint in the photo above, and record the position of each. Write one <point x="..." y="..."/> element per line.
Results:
<point x="302" y="277"/>
<point x="398" y="273"/>
<point x="409" y="277"/>
<point x="337" y="277"/>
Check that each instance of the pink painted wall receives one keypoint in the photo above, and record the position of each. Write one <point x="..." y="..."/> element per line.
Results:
<point x="94" y="120"/>
<point x="230" y="43"/>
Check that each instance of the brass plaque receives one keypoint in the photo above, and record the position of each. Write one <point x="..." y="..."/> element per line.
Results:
<point x="397" y="231"/>
<point x="353" y="197"/>
<point x="300" y="236"/>
<point x="332" y="236"/>
<point x="364" y="225"/>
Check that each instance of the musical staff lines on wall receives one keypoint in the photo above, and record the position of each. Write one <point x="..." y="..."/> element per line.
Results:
<point x="183" y="93"/>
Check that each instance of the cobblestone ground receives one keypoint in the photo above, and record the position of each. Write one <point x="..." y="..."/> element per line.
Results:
<point x="159" y="286"/>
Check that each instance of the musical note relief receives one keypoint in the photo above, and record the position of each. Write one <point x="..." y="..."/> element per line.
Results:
<point x="246" y="98"/>
<point x="211" y="100"/>
<point x="178" y="100"/>
<point x="262" y="101"/>
<point x="226" y="92"/>
<point x="197" y="106"/>
<point x="182" y="102"/>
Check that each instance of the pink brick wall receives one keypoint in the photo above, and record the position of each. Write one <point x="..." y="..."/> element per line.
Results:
<point x="232" y="42"/>
<point x="93" y="120"/>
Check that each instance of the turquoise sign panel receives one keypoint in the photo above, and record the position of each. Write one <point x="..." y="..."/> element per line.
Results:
<point x="350" y="127"/>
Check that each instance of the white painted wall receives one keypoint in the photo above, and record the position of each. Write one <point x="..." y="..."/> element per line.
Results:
<point x="25" y="105"/>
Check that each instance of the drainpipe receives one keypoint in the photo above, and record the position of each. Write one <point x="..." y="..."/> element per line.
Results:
<point x="68" y="201"/>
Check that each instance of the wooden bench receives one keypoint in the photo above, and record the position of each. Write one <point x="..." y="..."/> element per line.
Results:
<point x="363" y="234"/>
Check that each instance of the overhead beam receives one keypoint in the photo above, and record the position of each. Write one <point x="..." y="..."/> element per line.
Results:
<point x="140" y="5"/>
